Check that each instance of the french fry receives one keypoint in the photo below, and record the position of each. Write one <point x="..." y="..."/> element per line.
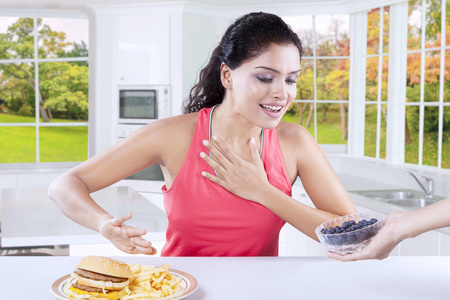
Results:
<point x="150" y="282"/>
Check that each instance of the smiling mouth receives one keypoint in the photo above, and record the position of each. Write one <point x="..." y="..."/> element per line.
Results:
<point x="274" y="108"/>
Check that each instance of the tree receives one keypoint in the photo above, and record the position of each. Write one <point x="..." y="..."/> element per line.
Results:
<point x="432" y="67"/>
<point x="333" y="79"/>
<point x="79" y="50"/>
<point x="332" y="75"/>
<point x="65" y="88"/>
<point x="18" y="43"/>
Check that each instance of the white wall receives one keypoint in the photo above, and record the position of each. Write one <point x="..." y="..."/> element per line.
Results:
<point x="199" y="40"/>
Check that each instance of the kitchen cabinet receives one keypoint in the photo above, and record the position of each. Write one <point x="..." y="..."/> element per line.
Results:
<point x="144" y="49"/>
<point x="426" y="244"/>
<point x="444" y="244"/>
<point x="292" y="241"/>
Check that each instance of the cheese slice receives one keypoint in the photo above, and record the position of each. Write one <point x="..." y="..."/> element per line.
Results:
<point x="83" y="294"/>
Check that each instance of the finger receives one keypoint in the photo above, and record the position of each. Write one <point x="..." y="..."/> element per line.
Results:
<point x="119" y="221"/>
<point x="141" y="242"/>
<point x="216" y="154"/>
<point x="133" y="232"/>
<point x="144" y="250"/>
<point x="347" y="257"/>
<point x="212" y="163"/>
<point x="214" y="179"/>
<point x="226" y="149"/>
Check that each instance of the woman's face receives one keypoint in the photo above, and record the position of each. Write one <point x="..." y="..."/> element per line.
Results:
<point x="263" y="88"/>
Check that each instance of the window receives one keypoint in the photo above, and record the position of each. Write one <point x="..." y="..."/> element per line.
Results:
<point x="377" y="62"/>
<point x="43" y="89"/>
<point x="323" y="86"/>
<point x="409" y="123"/>
<point x="427" y="124"/>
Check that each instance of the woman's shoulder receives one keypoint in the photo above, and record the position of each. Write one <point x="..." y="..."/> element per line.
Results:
<point x="176" y="125"/>
<point x="292" y="132"/>
<point x="297" y="140"/>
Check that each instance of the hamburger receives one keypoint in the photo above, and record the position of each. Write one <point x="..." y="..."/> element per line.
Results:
<point x="97" y="277"/>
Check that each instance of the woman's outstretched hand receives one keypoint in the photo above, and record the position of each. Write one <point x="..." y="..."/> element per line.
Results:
<point x="126" y="238"/>
<point x="237" y="175"/>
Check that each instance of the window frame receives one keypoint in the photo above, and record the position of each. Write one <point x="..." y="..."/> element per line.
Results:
<point x="36" y="61"/>
<point x="395" y="130"/>
<point x="422" y="104"/>
<point x="328" y="148"/>
<point x="379" y="102"/>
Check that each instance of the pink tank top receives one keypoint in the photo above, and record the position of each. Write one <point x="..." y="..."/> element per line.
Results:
<point x="207" y="220"/>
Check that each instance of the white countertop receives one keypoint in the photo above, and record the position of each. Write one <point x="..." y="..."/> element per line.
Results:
<point x="30" y="218"/>
<point x="280" y="278"/>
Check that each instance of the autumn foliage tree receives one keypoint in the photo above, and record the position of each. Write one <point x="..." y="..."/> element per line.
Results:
<point x="332" y="75"/>
<point x="432" y="67"/>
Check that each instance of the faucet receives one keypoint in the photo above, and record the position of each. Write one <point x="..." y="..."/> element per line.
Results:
<point x="429" y="188"/>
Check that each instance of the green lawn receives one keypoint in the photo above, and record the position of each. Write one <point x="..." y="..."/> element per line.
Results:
<point x="56" y="144"/>
<point x="4" y="118"/>
<point x="329" y="132"/>
<point x="430" y="149"/>
<point x="66" y="144"/>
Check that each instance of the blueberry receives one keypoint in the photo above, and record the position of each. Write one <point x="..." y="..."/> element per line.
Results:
<point x="359" y="236"/>
<point x="353" y="222"/>
<point x="340" y="239"/>
<point x="323" y="231"/>
<point x="331" y="230"/>
<point x="364" y="223"/>
<point x="351" y="238"/>
<point x="346" y="224"/>
<point x="331" y="240"/>
<point x="373" y="220"/>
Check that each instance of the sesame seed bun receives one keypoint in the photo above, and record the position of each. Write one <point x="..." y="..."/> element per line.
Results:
<point x="105" y="265"/>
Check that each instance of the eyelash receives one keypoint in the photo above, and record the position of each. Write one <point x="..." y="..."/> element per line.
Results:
<point x="269" y="80"/>
<point x="264" y="79"/>
<point x="291" y="81"/>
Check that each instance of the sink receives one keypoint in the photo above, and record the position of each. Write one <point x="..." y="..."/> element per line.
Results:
<point x="412" y="203"/>
<point x="402" y="197"/>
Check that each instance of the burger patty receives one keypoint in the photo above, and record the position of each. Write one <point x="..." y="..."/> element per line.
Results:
<point x="88" y="288"/>
<point x="97" y="276"/>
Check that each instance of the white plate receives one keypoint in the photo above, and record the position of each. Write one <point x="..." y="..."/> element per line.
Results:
<point x="188" y="286"/>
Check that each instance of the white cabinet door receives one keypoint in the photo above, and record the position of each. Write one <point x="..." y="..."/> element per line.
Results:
<point x="444" y="244"/>
<point x="292" y="241"/>
<point x="144" y="49"/>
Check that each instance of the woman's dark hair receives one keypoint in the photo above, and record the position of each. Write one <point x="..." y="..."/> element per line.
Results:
<point x="248" y="37"/>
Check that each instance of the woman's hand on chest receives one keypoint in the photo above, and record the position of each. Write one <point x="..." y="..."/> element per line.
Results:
<point x="243" y="177"/>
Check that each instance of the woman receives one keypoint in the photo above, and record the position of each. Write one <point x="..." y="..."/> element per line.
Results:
<point x="237" y="205"/>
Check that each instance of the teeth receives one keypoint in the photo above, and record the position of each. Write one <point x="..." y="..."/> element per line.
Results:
<point x="274" y="108"/>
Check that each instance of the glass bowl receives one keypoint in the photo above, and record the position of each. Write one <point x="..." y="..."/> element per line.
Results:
<point x="350" y="233"/>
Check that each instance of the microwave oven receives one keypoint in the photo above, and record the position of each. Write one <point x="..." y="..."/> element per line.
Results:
<point x="142" y="104"/>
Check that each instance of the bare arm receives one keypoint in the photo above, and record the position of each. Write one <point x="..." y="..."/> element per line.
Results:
<point x="402" y="225"/>
<point x="248" y="180"/>
<point x="71" y="191"/>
